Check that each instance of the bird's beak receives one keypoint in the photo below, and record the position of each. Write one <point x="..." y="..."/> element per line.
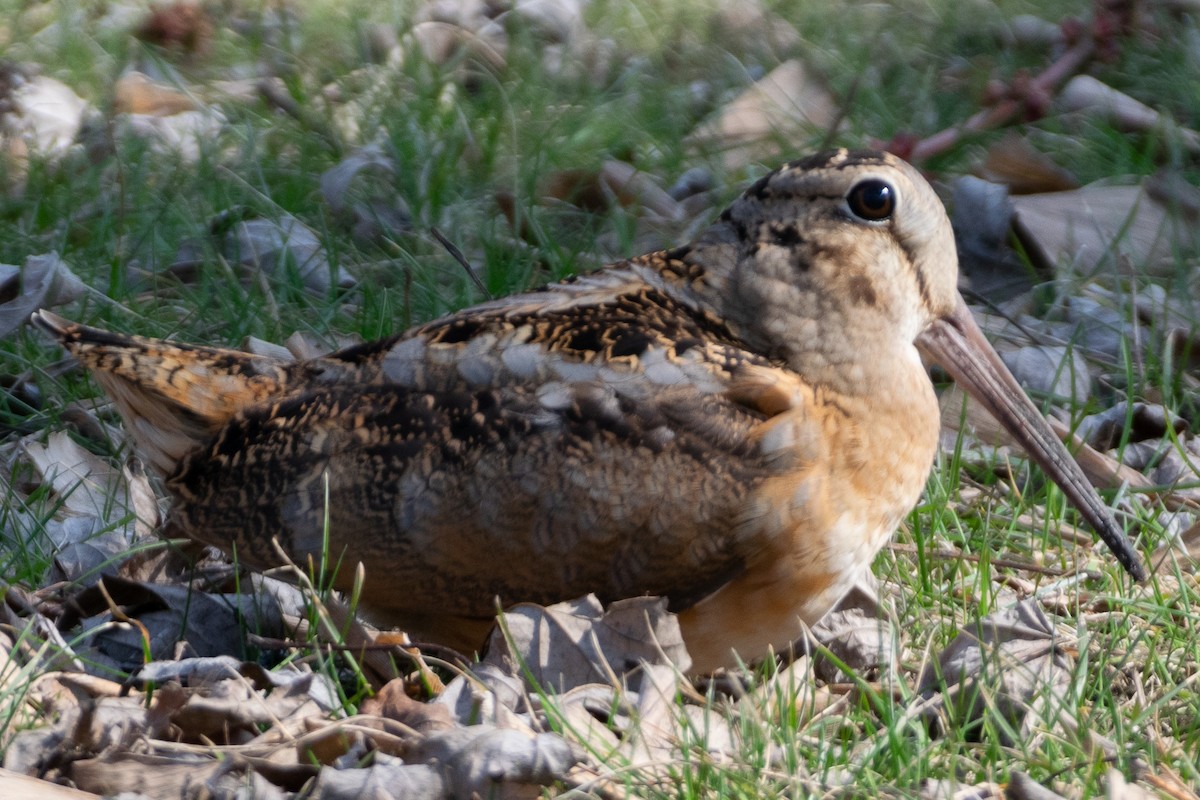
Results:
<point x="958" y="345"/>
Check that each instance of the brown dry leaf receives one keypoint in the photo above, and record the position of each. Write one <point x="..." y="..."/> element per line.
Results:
<point x="787" y="104"/>
<point x="577" y="642"/>
<point x="484" y="761"/>
<point x="558" y="21"/>
<point x="44" y="281"/>
<point x="589" y="714"/>
<point x="393" y="702"/>
<point x="102" y="512"/>
<point x="790" y="694"/>
<point x="489" y="693"/>
<point x="858" y="634"/>
<point x="136" y="93"/>
<point x="961" y="412"/>
<point x="170" y="777"/>
<point x="749" y="26"/>
<point x="1013" y="663"/>
<point x="16" y="785"/>
<point x="210" y="624"/>
<point x="39" y="642"/>
<point x="1086" y="94"/>
<point x="1017" y="164"/>
<point x="273" y="246"/>
<point x="1093" y="325"/>
<point x="655" y="734"/>
<point x="661" y="731"/>
<point x="1085" y="229"/>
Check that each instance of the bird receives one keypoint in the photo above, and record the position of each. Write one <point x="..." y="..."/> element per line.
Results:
<point x="737" y="424"/>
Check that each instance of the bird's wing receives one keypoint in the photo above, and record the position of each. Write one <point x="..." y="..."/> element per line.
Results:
<point x="452" y="498"/>
<point x="601" y="437"/>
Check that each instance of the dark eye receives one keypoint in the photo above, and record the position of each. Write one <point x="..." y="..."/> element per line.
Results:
<point x="872" y="200"/>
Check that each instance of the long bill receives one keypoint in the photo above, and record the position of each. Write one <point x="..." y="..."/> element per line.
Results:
<point x="958" y="345"/>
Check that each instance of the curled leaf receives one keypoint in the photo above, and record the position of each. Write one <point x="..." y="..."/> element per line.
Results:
<point x="44" y="281"/>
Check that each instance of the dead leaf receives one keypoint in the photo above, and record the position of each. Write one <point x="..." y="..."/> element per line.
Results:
<point x="441" y="43"/>
<point x="1023" y="787"/>
<point x="1015" y="163"/>
<point x="1012" y="663"/>
<point x="1100" y="331"/>
<point x="588" y="716"/>
<point x="135" y="93"/>
<point x="45" y="281"/>
<point x="1058" y="372"/>
<point x="557" y="21"/>
<point x="750" y="26"/>
<point x="170" y="777"/>
<point x="1099" y="225"/>
<point x="577" y="642"/>
<point x="1121" y="789"/>
<point x="662" y="732"/>
<point x="211" y="624"/>
<point x="1103" y="471"/>
<point x="272" y="246"/>
<point x="387" y="777"/>
<point x="14" y="784"/>
<point x="858" y="635"/>
<point x="393" y="702"/>
<point x="1140" y="420"/>
<point x="266" y="247"/>
<point x="792" y="694"/>
<point x="982" y="220"/>
<point x="361" y="193"/>
<point x="44" y="114"/>
<point x="102" y="512"/>
<point x="787" y="104"/>
<point x="488" y="694"/>
<point x="948" y="789"/>
<point x="483" y="761"/>
<point x="184" y="136"/>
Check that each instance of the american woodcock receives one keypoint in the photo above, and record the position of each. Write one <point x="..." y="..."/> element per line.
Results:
<point x="738" y="424"/>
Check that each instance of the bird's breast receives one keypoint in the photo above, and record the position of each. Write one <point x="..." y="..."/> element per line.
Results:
<point x="850" y="468"/>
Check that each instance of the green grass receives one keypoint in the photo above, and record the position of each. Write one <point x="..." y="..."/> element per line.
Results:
<point x="119" y="215"/>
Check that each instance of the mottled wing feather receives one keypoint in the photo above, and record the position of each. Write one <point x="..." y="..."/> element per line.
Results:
<point x="469" y="496"/>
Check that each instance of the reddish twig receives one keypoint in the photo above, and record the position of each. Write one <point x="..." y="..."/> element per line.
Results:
<point x="1021" y="97"/>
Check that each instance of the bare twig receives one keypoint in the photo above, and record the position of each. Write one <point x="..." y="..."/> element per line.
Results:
<point x="1009" y="107"/>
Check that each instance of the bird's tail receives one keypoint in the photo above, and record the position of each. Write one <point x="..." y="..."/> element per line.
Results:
<point x="172" y="397"/>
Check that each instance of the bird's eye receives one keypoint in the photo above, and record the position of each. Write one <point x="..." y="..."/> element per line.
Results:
<point x="872" y="200"/>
